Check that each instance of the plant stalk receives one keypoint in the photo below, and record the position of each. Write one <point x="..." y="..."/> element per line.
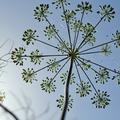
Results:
<point x="66" y="96"/>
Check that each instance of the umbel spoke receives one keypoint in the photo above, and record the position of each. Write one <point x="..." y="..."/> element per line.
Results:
<point x="91" y="52"/>
<point x="67" y="23"/>
<point x="98" y="45"/>
<point x="90" y="33"/>
<point x="114" y="71"/>
<point x="61" y="40"/>
<point x="49" y="45"/>
<point x="42" y="56"/>
<point x="77" y="34"/>
<point x="59" y="70"/>
<point x="87" y="77"/>
<point x="90" y="67"/>
<point x="78" y="73"/>
<point x="51" y="64"/>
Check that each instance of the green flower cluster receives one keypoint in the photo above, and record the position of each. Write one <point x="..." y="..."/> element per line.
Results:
<point x="17" y="54"/>
<point x="50" y="31"/>
<point x="106" y="50"/>
<point x="35" y="57"/>
<point x="83" y="89"/>
<point x="60" y="102"/>
<point x="29" y="36"/>
<point x="85" y="7"/>
<point x="64" y="76"/>
<point x="59" y="3"/>
<point x="41" y="12"/>
<point x="100" y="99"/>
<point x="102" y="76"/>
<point x="28" y="75"/>
<point x="69" y="16"/>
<point x="48" y="85"/>
<point x="54" y="65"/>
<point x="107" y="12"/>
<point x="116" y="37"/>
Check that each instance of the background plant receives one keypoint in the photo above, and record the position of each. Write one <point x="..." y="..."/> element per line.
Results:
<point x="4" y="60"/>
<point x="81" y="42"/>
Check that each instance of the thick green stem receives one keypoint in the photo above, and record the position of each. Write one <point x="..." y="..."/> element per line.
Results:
<point x="66" y="96"/>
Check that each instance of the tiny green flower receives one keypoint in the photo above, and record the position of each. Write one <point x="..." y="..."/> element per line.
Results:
<point x="28" y="75"/>
<point x="16" y="55"/>
<point x="29" y="36"/>
<point x="83" y="89"/>
<point x="100" y="99"/>
<point x="107" y="12"/>
<point x="48" y="85"/>
<point x="102" y="76"/>
<point x="60" y="102"/>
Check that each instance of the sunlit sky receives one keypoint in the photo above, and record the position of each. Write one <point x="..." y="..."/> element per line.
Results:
<point x="17" y="16"/>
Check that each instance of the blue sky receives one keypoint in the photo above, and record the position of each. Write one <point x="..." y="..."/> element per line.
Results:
<point x="17" y="16"/>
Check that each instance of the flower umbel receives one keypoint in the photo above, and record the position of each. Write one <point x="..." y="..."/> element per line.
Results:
<point x="85" y="7"/>
<point x="50" y="31"/>
<point x="48" y="85"/>
<point x="35" y="57"/>
<point x="29" y="36"/>
<point x="62" y="47"/>
<point x="101" y="100"/>
<point x="102" y="76"/>
<point x="64" y="78"/>
<point x="54" y="66"/>
<point x="28" y="75"/>
<point x="106" y="50"/>
<point x="116" y="37"/>
<point x="41" y="12"/>
<point x="83" y="89"/>
<point x="68" y="16"/>
<point x="117" y="77"/>
<point x="59" y="3"/>
<point x="107" y="12"/>
<point x="60" y="102"/>
<point x="16" y="55"/>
